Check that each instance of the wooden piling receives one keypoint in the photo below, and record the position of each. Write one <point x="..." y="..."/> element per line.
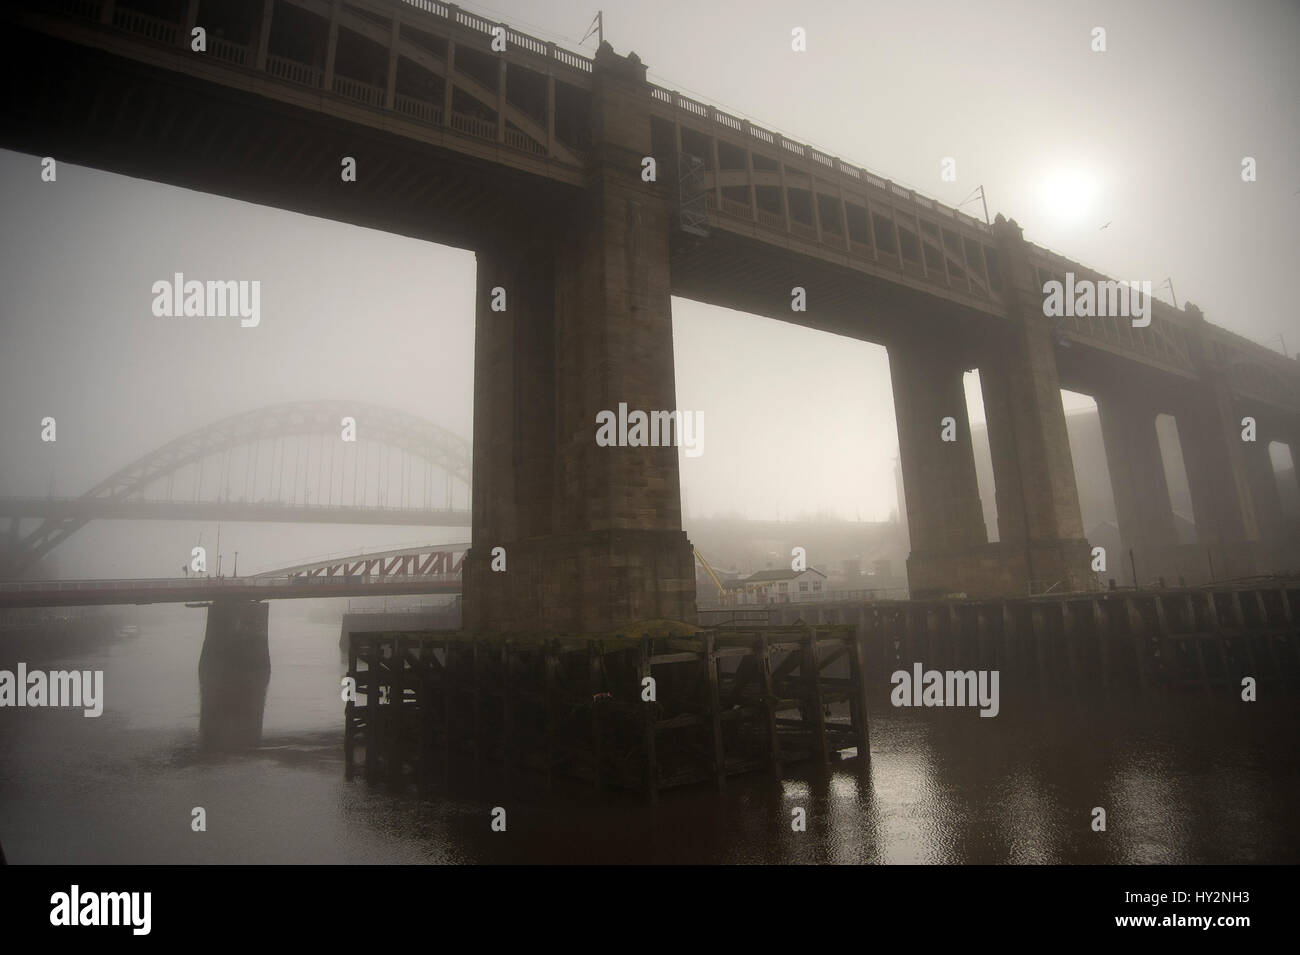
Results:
<point x="648" y="718"/>
<point x="812" y="672"/>
<point x="350" y="715"/>
<point x="477" y="711"/>
<point x="769" y="704"/>
<point x="858" y="700"/>
<point x="550" y="706"/>
<point x="595" y="687"/>
<point x="373" y="735"/>
<point x="507" y="712"/>
<point x="1101" y="633"/>
<point x="1137" y="628"/>
<point x="715" y="711"/>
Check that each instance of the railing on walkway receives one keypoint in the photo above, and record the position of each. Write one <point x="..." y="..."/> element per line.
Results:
<point x="189" y="583"/>
<point x="359" y="91"/>
<point x="235" y="53"/>
<point x="141" y="24"/>
<point x="293" y="71"/>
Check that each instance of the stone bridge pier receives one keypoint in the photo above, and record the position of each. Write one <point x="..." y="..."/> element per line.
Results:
<point x="1041" y="544"/>
<point x="591" y="536"/>
<point x="234" y="671"/>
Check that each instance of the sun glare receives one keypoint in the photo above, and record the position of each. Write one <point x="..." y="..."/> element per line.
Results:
<point x="1070" y="196"/>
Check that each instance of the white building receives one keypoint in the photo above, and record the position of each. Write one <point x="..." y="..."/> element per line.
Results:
<point x="775" y="586"/>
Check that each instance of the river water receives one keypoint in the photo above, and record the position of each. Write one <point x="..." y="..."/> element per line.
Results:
<point x="1182" y="779"/>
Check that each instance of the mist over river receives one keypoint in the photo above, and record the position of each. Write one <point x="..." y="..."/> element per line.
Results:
<point x="1183" y="779"/>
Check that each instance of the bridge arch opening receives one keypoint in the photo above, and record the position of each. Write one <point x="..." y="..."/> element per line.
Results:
<point x="1282" y="458"/>
<point x="980" y="449"/>
<point x="1175" y="474"/>
<point x="796" y="454"/>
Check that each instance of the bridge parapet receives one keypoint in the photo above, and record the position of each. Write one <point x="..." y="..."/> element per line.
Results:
<point x="745" y="133"/>
<point x="1163" y="343"/>
<point x="841" y="211"/>
<point x="485" y="111"/>
<point x="1249" y="369"/>
<point x="1254" y="372"/>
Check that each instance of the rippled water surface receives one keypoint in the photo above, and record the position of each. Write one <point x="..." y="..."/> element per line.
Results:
<point x="1182" y="779"/>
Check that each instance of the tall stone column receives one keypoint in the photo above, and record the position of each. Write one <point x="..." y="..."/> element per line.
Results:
<point x="592" y="535"/>
<point x="1209" y="430"/>
<point x="1039" y="525"/>
<point x="944" y="518"/>
<point x="1137" y="479"/>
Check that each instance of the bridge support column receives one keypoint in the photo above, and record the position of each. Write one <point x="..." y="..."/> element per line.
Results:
<point x="1137" y="479"/>
<point x="592" y="535"/>
<point x="941" y="493"/>
<point x="1039" y="525"/>
<point x="1209" y="430"/>
<point x="234" y="670"/>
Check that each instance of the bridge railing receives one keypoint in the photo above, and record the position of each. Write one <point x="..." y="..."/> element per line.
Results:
<point x="359" y="91"/>
<point x="447" y="604"/>
<point x="293" y="71"/>
<point x="80" y="8"/>
<point x="167" y="32"/>
<point x="228" y="51"/>
<point x="418" y="109"/>
<point x="833" y="164"/>
<point x="236" y="583"/>
<point x="141" y="24"/>
<point x="138" y="583"/>
<point x="515" y="40"/>
<point x="825" y="596"/>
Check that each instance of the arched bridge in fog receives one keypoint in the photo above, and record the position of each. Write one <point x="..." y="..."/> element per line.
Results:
<point x="284" y="463"/>
<point x="428" y="570"/>
<point x="469" y="133"/>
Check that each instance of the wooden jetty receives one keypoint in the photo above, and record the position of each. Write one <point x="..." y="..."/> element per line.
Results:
<point x="742" y="697"/>
<point x="1206" y="637"/>
<point x="725" y="701"/>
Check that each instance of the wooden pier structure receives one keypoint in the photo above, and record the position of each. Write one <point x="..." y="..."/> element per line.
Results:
<point x="744" y="697"/>
<point x="725" y="701"/>
<point x="1207" y="637"/>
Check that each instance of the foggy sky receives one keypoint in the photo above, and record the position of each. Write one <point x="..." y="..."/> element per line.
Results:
<point x="1147" y="136"/>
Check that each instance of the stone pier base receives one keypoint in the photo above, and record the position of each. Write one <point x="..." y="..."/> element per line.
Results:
<point x="234" y="670"/>
<point x="579" y="583"/>
<point x="996" y="569"/>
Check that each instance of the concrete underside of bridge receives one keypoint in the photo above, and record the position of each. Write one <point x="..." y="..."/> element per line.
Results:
<point x="588" y="260"/>
<point x="92" y="108"/>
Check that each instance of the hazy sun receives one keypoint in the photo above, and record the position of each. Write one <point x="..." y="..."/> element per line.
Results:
<point x="1070" y="195"/>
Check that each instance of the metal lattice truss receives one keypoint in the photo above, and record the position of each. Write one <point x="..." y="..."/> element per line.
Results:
<point x="1163" y="343"/>
<point x="436" y="561"/>
<point x="396" y="26"/>
<point x="396" y="429"/>
<point x="1255" y="372"/>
